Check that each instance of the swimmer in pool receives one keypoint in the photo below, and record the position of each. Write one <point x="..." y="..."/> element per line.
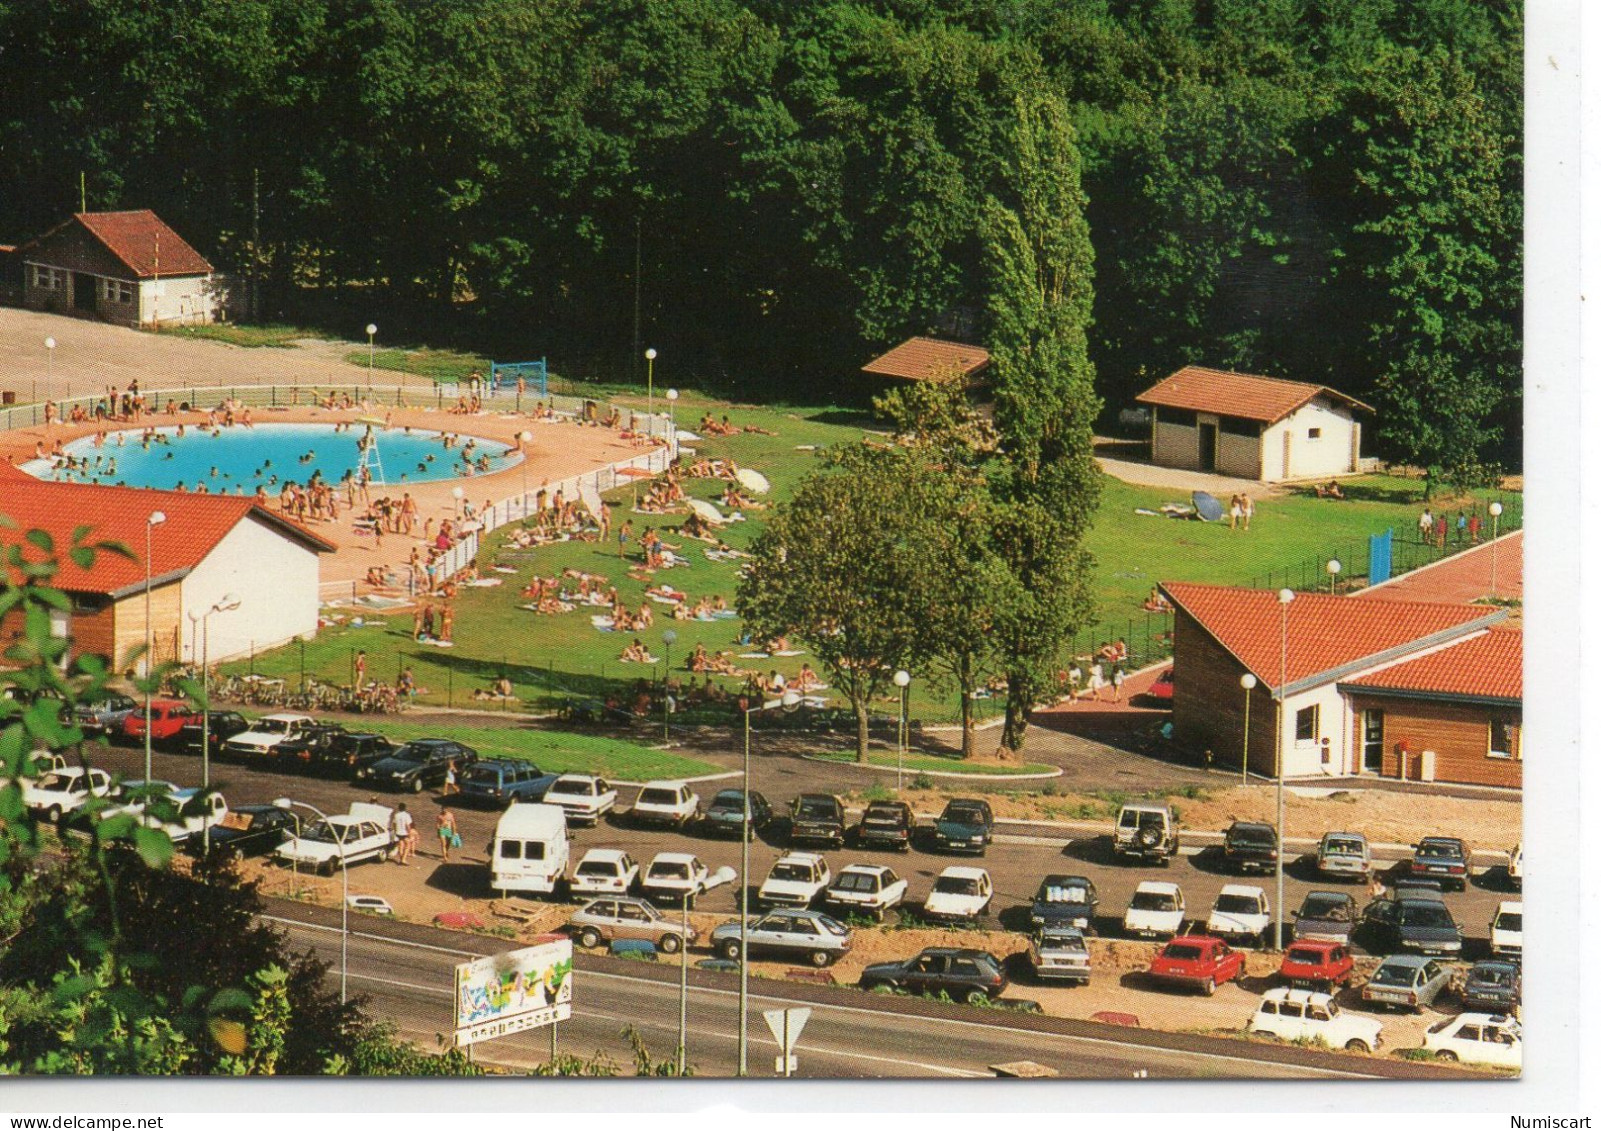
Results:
<point x="169" y="455"/>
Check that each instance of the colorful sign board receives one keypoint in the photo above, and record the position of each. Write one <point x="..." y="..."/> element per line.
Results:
<point x="514" y="992"/>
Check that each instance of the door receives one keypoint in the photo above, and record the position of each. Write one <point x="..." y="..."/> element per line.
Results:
<point x="83" y="291"/>
<point x="1372" y="742"/>
<point x="1208" y="437"/>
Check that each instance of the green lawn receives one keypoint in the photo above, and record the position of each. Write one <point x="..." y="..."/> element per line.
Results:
<point x="269" y="335"/>
<point x="934" y="763"/>
<point x="441" y="366"/>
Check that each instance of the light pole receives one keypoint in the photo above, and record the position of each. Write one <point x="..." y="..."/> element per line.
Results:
<point x="523" y="438"/>
<point x="669" y="638"/>
<point x="1495" y="531"/>
<point x="457" y="493"/>
<point x="344" y="899"/>
<point x="683" y="987"/>
<point x="49" y="368"/>
<point x="903" y="680"/>
<point x="672" y="415"/>
<point x="650" y="387"/>
<point x="789" y="702"/>
<point x="227" y="604"/>
<point x="156" y="519"/>
<point x="1248" y="682"/>
<point x="1285" y="597"/>
<point x="372" y="331"/>
<point x="1334" y="567"/>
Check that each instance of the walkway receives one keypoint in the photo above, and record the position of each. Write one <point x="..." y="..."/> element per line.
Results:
<point x="1143" y="474"/>
<point x="1462" y="578"/>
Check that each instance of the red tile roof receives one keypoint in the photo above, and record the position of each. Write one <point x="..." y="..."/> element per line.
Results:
<point x="195" y="525"/>
<point x="1325" y="634"/>
<point x="1241" y="395"/>
<point x="929" y="359"/>
<point x="1488" y="666"/>
<point x="143" y="243"/>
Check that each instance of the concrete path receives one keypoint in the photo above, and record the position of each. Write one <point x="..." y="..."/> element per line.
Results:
<point x="1143" y="474"/>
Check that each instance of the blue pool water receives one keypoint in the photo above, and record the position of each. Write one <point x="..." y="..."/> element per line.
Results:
<point x="238" y="459"/>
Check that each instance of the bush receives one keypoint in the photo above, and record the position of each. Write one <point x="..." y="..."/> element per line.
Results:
<point x="922" y="781"/>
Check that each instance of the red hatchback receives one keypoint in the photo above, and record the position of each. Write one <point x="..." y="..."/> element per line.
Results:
<point x="1162" y="689"/>
<point x="1196" y="960"/>
<point x="1317" y="965"/>
<point x="167" y="717"/>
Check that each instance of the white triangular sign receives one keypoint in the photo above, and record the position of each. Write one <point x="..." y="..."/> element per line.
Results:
<point x="797" y="1019"/>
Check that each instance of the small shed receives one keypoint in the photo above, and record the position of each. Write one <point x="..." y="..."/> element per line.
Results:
<point x="1253" y="427"/>
<point x="931" y="359"/>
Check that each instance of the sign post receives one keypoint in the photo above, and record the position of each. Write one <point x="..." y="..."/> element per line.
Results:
<point x="786" y="1026"/>
<point x="514" y="992"/>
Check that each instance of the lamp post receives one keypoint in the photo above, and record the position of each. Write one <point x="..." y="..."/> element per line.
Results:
<point x="372" y="331"/>
<point x="1495" y="531"/>
<point x="156" y="519"/>
<point x="49" y="368"/>
<point x="650" y="387"/>
<point x="683" y="988"/>
<point x="523" y="438"/>
<point x="669" y="638"/>
<point x="789" y="702"/>
<point x="1248" y="682"/>
<point x="457" y="493"/>
<point x="1285" y="597"/>
<point x="228" y="603"/>
<point x="903" y="680"/>
<point x="1334" y="567"/>
<point x="672" y="415"/>
<point x="344" y="899"/>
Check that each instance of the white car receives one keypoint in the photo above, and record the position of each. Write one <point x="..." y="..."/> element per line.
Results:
<point x="675" y="876"/>
<point x="604" y="871"/>
<point x="869" y="888"/>
<point x="959" y="895"/>
<point x="1241" y="914"/>
<point x="583" y="797"/>
<point x="63" y="791"/>
<point x="1304" y="1015"/>
<point x="1156" y="910"/>
<point x="197" y="810"/>
<point x="341" y="840"/>
<point x="796" y="880"/>
<point x="372" y="904"/>
<point x="1514" y="866"/>
<point x="669" y="803"/>
<point x="1477" y="1038"/>
<point x="265" y="733"/>
<point x="1506" y="929"/>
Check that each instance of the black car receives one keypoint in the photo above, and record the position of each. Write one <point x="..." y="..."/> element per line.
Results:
<point x="344" y="754"/>
<point x="501" y="781"/>
<point x="1493" y="986"/>
<point x="965" y="975"/>
<point x="966" y="825"/>
<point x="219" y="728"/>
<point x="417" y="765"/>
<point x="1416" y="920"/>
<point x="250" y="830"/>
<point x="293" y="754"/>
<point x="1250" y="847"/>
<point x="725" y="816"/>
<point x="1064" y="901"/>
<point x="886" y="824"/>
<point x="817" y="818"/>
<point x="1442" y="859"/>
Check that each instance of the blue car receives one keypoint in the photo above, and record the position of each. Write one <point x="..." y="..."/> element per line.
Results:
<point x="501" y="781"/>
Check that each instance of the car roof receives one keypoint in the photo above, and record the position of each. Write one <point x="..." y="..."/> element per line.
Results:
<point x="1241" y="889"/>
<point x="964" y="872"/>
<point x="872" y="869"/>
<point x="1314" y="944"/>
<point x="818" y="797"/>
<point x="1412" y="961"/>
<point x="1058" y="932"/>
<point x="1498" y="1019"/>
<point x="1160" y="887"/>
<point x="497" y="764"/>
<point x="1251" y="825"/>
<point x="613" y="854"/>
<point x="1498" y="963"/>
<point x="1139" y="807"/>
<point x="956" y="952"/>
<point x="1286" y="993"/>
<point x="668" y="783"/>
<point x="288" y="715"/>
<point x="801" y="857"/>
<point x="1063" y="879"/>
<point x="1454" y="841"/>
<point x="619" y="899"/>
<point x="578" y="777"/>
<point x="673" y="858"/>
<point x="1198" y="939"/>
<point x="1345" y="836"/>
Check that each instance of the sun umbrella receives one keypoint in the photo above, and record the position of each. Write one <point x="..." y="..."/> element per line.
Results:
<point x="753" y="481"/>
<point x="634" y="473"/>
<point x="1206" y="506"/>
<point x="707" y="511"/>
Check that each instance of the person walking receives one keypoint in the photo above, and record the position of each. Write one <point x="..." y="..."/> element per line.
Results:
<point x="1439" y="531"/>
<point x="403" y="828"/>
<point x="1247" y="509"/>
<point x="1425" y="526"/>
<point x="624" y="532"/>
<point x="445" y="826"/>
<point x="1117" y="685"/>
<point x="1236" y="512"/>
<point x="450" y="779"/>
<point x="361" y="668"/>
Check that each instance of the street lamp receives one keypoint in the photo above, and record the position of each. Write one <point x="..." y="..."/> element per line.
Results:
<point x="1334" y="567"/>
<point x="1248" y="682"/>
<point x="903" y="680"/>
<point x="650" y="386"/>
<point x="1285" y="597"/>
<point x="156" y="519"/>
<point x="669" y="638"/>
<point x="672" y="415"/>
<point x="788" y="702"/>
<point x="344" y="871"/>
<point x="372" y="330"/>
<point x="457" y="493"/>
<point x="49" y="368"/>
<point x="523" y="438"/>
<point x="1495" y="531"/>
<point x="228" y="603"/>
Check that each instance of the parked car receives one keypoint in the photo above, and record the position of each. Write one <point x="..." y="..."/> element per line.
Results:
<point x="418" y="765"/>
<point x="293" y="754"/>
<point x="886" y="824"/>
<point x="817" y="818"/>
<point x="796" y="880"/>
<point x="250" y="830"/>
<point x="789" y="933"/>
<point x="604" y="871"/>
<point x="1317" y="965"/>
<point x="103" y="715"/>
<point x="614" y="917"/>
<point x="1156" y="910"/>
<point x="1406" y="981"/>
<point x="583" y="797"/>
<point x="60" y="792"/>
<point x="1060" y="954"/>
<point x="1416" y="920"/>
<point x="345" y="754"/>
<point x="1442" y="858"/>
<point x="1241" y="913"/>
<point x="342" y="839"/>
<point x="217" y="729"/>
<point x="963" y="974"/>
<point x="167" y="717"/>
<point x="725" y="816"/>
<point x="264" y="734"/>
<point x="1200" y="962"/>
<point x="1249" y="846"/>
<point x="959" y="895"/>
<point x="1506" y="930"/>
<point x="1162" y="689"/>
<point x="1493" y="986"/>
<point x="1328" y="916"/>
<point x="126" y="797"/>
<point x="869" y="889"/>
<point x="1148" y="832"/>
<point x="499" y="782"/>
<point x="1066" y="901"/>
<point x="1344" y="856"/>
<point x="1514" y="867"/>
<point x="966" y="825"/>
<point x="669" y="804"/>
<point x="1477" y="1038"/>
<point x="1304" y="1015"/>
<point x="676" y="876"/>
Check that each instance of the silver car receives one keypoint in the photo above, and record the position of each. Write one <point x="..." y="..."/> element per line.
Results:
<point x="787" y="933"/>
<point x="1344" y="856"/>
<point x="621" y="917"/>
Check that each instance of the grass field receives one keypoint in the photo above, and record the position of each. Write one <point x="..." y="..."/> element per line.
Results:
<point x="270" y="335"/>
<point x="442" y="366"/>
<point x="934" y="763"/>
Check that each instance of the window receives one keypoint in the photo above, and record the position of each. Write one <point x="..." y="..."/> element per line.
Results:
<point x="533" y="850"/>
<point x="1236" y="426"/>
<point x="1314" y="433"/>
<point x="49" y="278"/>
<point x="1503" y="738"/>
<point x="1306" y="726"/>
<point x="1175" y="416"/>
<point x="511" y="850"/>
<point x="115" y="290"/>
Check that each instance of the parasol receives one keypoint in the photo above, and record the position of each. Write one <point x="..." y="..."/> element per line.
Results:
<point x="753" y="480"/>
<point x="1207" y="507"/>
<point x="635" y="473"/>
<point x="707" y="511"/>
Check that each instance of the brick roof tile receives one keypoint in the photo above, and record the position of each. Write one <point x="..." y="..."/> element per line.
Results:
<point x="1488" y="666"/>
<point x="929" y="359"/>
<point x="144" y="243"/>
<point x="1242" y="395"/>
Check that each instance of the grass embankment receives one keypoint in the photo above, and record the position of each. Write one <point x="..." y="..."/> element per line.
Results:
<point x="445" y="367"/>
<point x="268" y="335"/>
<point x="935" y="763"/>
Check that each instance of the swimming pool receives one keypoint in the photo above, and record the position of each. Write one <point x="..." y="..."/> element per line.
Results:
<point x="237" y="460"/>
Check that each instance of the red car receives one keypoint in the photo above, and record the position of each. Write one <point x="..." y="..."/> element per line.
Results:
<point x="1317" y="965"/>
<point x="1196" y="960"/>
<point x="1162" y="689"/>
<point x="167" y="717"/>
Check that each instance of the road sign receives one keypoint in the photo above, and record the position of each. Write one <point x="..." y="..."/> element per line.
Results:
<point x="514" y="992"/>
<point x="786" y="1026"/>
<point x="785" y="1064"/>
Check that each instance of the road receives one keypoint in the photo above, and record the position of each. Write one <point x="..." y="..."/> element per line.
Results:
<point x="406" y="972"/>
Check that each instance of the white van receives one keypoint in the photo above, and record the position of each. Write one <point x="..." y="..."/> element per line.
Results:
<point x="530" y="850"/>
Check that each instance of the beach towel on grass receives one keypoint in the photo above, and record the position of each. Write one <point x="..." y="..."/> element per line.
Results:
<point x="753" y="655"/>
<point x="484" y="583"/>
<point x="605" y="624"/>
<point x="790" y="652"/>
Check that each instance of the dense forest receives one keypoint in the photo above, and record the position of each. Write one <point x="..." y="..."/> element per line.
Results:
<point x="1328" y="190"/>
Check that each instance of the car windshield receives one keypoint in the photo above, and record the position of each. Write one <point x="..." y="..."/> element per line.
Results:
<point x="1426" y="914"/>
<point x="882" y="815"/>
<point x="1153" y="901"/>
<point x="815" y="811"/>
<point x="964" y="814"/>
<point x="1254" y="835"/>
<point x="798" y="872"/>
<point x="272" y="726"/>
<point x="597" y="868"/>
<point x="1063" y="942"/>
<point x="1065" y="893"/>
<point x="1304" y="955"/>
<point x="856" y="881"/>
<point x="482" y="775"/>
<point x="1238" y="905"/>
<point x="658" y="797"/>
<point x="1326" y="906"/>
<point x="1188" y="952"/>
<point x="1394" y="975"/>
<point x="1437" y="850"/>
<point x="1491" y="976"/>
<point x="413" y="755"/>
<point x="729" y="799"/>
<point x="956" y="885"/>
<point x="1343" y="846"/>
<point x="1509" y="921"/>
<point x="669" y="870"/>
<point x="576" y="788"/>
